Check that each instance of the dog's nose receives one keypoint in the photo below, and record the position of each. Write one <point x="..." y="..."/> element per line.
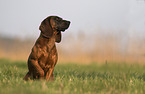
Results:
<point x="67" y="22"/>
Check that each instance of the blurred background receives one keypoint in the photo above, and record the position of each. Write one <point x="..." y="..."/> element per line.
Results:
<point x="100" y="30"/>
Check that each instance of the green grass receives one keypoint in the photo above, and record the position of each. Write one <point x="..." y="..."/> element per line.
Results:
<point x="75" y="79"/>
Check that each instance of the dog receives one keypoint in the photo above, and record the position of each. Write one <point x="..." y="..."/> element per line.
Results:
<point x="43" y="57"/>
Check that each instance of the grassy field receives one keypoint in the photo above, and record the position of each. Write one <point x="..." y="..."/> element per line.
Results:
<point x="107" y="78"/>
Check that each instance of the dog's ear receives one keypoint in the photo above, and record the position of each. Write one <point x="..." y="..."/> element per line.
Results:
<point x="58" y="37"/>
<point x="46" y="28"/>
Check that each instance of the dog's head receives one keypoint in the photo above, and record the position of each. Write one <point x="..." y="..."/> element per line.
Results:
<point x="51" y="24"/>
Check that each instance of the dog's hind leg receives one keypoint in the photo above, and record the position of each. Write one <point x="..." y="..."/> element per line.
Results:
<point x="27" y="77"/>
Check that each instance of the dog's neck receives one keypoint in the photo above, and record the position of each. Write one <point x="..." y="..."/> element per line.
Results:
<point x="46" y="41"/>
<point x="44" y="36"/>
<point x="47" y="37"/>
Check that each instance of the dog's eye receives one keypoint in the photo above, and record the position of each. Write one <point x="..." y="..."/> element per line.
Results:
<point x="58" y="19"/>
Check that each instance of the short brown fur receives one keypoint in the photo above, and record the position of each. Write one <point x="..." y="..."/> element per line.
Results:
<point x="43" y="56"/>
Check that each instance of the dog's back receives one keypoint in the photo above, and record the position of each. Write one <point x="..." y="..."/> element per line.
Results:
<point x="43" y="57"/>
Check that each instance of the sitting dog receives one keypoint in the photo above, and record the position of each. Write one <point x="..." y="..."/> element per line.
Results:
<point x="44" y="56"/>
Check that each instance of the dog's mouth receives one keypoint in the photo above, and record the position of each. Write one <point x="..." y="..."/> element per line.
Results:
<point x="64" y="25"/>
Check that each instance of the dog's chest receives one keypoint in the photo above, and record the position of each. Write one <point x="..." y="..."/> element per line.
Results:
<point x="48" y="57"/>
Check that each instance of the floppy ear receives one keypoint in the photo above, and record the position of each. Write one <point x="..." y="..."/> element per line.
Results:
<point x="58" y="37"/>
<point x="46" y="28"/>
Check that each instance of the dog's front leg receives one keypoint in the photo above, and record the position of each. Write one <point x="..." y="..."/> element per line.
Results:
<point x="49" y="74"/>
<point x="38" y="69"/>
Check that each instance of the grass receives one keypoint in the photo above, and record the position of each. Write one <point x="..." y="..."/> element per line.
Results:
<point x="108" y="78"/>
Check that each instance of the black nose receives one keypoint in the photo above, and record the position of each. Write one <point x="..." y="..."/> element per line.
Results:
<point x="67" y="23"/>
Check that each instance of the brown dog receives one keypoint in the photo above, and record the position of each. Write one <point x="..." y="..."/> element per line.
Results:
<point x="43" y="57"/>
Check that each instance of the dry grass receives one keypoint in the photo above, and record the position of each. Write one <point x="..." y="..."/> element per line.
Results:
<point x="97" y="47"/>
